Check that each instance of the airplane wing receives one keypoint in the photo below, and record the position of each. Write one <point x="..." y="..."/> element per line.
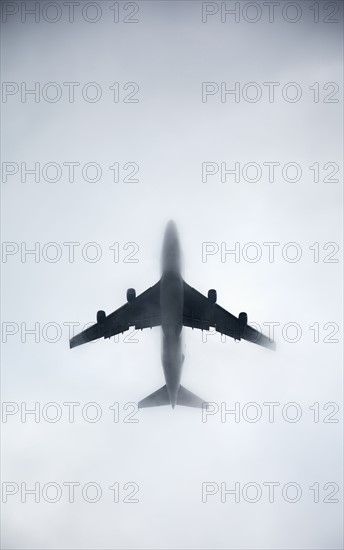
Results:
<point x="200" y="313"/>
<point x="142" y="312"/>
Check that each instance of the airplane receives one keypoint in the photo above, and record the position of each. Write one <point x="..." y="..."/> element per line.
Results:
<point x="171" y="303"/>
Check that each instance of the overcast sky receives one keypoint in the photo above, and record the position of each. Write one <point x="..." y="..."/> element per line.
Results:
<point x="155" y="120"/>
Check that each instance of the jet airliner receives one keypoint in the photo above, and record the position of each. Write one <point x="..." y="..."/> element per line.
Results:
<point x="171" y="303"/>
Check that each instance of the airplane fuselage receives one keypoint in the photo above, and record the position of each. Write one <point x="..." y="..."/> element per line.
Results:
<point x="172" y="303"/>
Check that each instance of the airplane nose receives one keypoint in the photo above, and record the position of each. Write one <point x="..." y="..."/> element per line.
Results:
<point x="170" y="256"/>
<point x="171" y="223"/>
<point x="171" y="227"/>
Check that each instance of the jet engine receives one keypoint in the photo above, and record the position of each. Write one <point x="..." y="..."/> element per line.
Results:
<point x="131" y="294"/>
<point x="101" y="316"/>
<point x="212" y="296"/>
<point x="242" y="320"/>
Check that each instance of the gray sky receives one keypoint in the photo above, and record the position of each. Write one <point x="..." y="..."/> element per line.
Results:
<point x="168" y="134"/>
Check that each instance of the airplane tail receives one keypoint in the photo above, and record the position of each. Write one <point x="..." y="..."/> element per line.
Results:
<point x="161" y="397"/>
<point x="156" y="399"/>
<point x="189" y="399"/>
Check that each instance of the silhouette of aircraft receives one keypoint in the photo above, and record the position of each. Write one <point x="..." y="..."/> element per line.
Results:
<point x="171" y="303"/>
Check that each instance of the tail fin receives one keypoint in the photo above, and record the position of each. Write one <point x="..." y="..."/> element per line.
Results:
<point x="189" y="399"/>
<point x="161" y="397"/>
<point x="156" y="399"/>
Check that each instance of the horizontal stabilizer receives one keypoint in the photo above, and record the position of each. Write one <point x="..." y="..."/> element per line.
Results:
<point x="189" y="399"/>
<point x="156" y="399"/>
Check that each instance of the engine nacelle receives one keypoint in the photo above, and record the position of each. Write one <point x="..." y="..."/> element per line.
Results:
<point x="131" y="294"/>
<point x="101" y="316"/>
<point x="212" y="296"/>
<point x="242" y="320"/>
